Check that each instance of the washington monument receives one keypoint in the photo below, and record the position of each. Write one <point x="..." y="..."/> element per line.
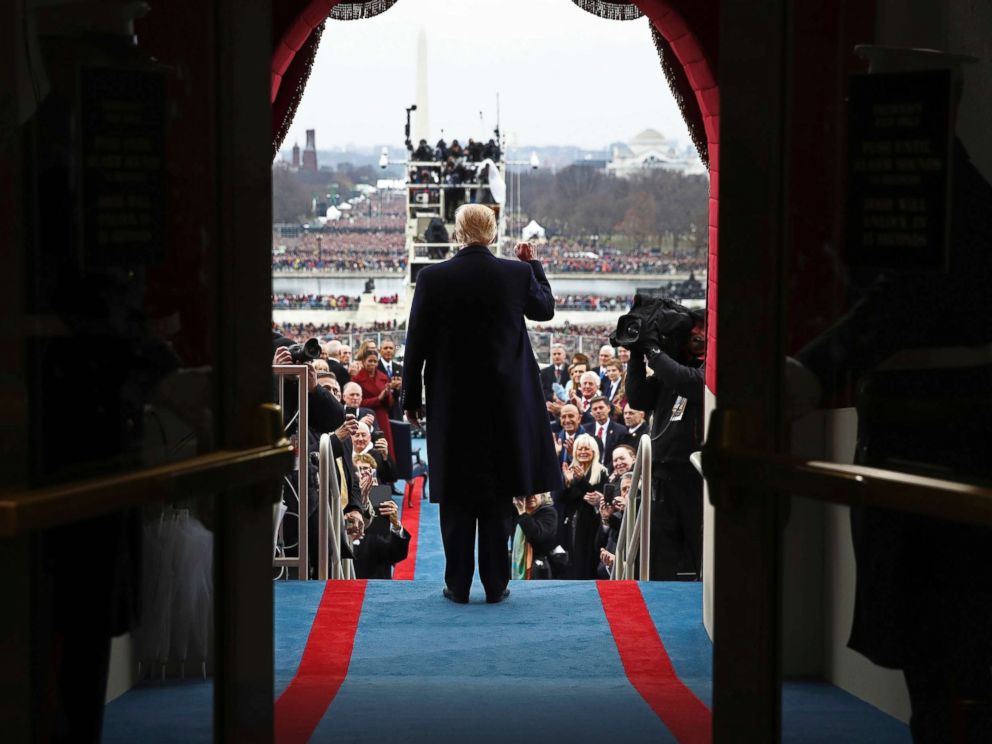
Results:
<point x="422" y="116"/>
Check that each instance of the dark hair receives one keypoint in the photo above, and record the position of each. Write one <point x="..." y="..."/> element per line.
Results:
<point x="580" y="358"/>
<point x="631" y="450"/>
<point x="597" y="399"/>
<point x="368" y="353"/>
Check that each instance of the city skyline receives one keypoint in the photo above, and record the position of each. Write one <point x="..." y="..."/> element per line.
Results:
<point x="543" y="57"/>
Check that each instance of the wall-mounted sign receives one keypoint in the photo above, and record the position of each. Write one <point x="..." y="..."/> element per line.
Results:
<point x="898" y="176"/>
<point x="122" y="134"/>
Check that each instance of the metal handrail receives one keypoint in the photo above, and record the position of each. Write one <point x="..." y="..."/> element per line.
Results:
<point x="329" y="513"/>
<point x="633" y="556"/>
<point x="300" y="372"/>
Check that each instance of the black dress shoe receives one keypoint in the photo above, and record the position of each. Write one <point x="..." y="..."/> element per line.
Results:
<point x="451" y="597"/>
<point x="498" y="599"/>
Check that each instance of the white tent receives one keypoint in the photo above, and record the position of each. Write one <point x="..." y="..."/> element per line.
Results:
<point x="533" y="230"/>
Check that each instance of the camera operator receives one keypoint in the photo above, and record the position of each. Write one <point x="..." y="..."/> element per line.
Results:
<point x="675" y="394"/>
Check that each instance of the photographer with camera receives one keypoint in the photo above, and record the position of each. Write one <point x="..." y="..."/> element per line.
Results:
<point x="379" y="542"/>
<point x="325" y="414"/>
<point x="671" y="340"/>
<point x="611" y="514"/>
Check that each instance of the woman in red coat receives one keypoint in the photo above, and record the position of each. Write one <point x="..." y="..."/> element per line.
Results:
<point x="377" y="393"/>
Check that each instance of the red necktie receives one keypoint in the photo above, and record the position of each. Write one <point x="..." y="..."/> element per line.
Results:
<point x="602" y="434"/>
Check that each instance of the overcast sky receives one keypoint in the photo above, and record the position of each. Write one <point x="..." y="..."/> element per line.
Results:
<point x="563" y="75"/>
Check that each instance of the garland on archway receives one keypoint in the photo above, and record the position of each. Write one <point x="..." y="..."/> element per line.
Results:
<point x="682" y="92"/>
<point x="299" y="72"/>
<point x="610" y="11"/>
<point x="358" y="11"/>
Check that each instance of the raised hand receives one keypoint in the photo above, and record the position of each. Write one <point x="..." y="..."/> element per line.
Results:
<point x="347" y="429"/>
<point x="525" y="251"/>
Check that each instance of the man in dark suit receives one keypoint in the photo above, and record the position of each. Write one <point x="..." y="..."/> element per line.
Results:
<point x="605" y="357"/>
<point x="351" y="395"/>
<point x="571" y="427"/>
<point x="611" y="383"/>
<point x="557" y="371"/>
<point x="385" y="468"/>
<point x="332" y="351"/>
<point x="476" y="471"/>
<point x="392" y="370"/>
<point x="637" y="426"/>
<point x="607" y="432"/>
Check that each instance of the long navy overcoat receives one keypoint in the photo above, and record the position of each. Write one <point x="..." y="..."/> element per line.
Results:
<point x="488" y="434"/>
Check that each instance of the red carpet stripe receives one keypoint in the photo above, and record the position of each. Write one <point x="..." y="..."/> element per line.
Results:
<point x="324" y="664"/>
<point x="648" y="667"/>
<point x="405" y="569"/>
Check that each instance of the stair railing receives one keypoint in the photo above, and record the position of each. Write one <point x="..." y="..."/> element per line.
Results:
<point x="300" y="372"/>
<point x="329" y="513"/>
<point x="633" y="556"/>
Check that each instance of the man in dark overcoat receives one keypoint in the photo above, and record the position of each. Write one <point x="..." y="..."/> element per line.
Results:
<point x="473" y="307"/>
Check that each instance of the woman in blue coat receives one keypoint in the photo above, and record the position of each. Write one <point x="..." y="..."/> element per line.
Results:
<point x="489" y="439"/>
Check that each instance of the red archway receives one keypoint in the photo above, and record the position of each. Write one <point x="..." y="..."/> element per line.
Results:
<point x="689" y="29"/>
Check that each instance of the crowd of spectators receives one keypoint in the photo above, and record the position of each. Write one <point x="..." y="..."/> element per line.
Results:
<point x="300" y="332"/>
<point x="344" y="250"/>
<point x="325" y="302"/>
<point x="351" y="399"/>
<point x="452" y="164"/>
<point x="566" y="256"/>
<point x="571" y="534"/>
<point x="596" y="436"/>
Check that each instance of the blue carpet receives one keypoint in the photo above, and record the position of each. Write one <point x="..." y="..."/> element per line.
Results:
<point x="815" y="712"/>
<point x="540" y="667"/>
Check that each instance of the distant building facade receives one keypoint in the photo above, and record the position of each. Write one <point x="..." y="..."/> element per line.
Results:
<point x="309" y="163"/>
<point x="649" y="150"/>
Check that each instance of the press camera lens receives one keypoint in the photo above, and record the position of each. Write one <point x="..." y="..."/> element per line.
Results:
<point x="306" y="352"/>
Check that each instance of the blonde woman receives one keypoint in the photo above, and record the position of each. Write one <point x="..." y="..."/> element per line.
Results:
<point x="584" y="480"/>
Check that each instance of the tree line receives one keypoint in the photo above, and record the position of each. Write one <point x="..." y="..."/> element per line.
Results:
<point x="293" y="191"/>
<point x="575" y="202"/>
<point x="580" y="201"/>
